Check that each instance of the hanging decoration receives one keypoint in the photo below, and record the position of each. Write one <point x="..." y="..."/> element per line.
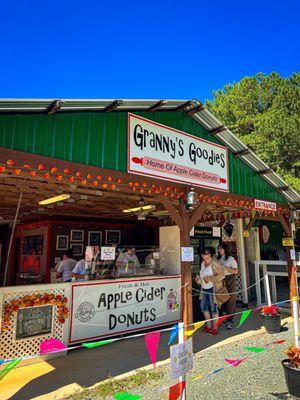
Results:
<point x="173" y="334"/>
<point x="235" y="363"/>
<point x="244" y="316"/>
<point x="59" y="301"/>
<point x="92" y="345"/>
<point x="9" y="367"/>
<point x="255" y="349"/>
<point x="152" y="342"/>
<point x="127" y="396"/>
<point x="52" y="345"/>
<point x="176" y="390"/>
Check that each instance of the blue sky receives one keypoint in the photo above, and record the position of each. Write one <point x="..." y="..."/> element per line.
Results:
<point x="142" y="49"/>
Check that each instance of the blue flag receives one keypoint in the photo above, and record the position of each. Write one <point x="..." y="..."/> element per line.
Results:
<point x="173" y="334"/>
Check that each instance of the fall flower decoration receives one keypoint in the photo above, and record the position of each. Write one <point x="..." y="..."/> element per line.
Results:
<point x="270" y="310"/>
<point x="293" y="354"/>
<point x="35" y="300"/>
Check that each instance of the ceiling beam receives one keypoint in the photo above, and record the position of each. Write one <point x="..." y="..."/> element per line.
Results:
<point x="241" y="153"/>
<point x="113" y="106"/>
<point x="54" y="107"/>
<point x="217" y="130"/>
<point x="157" y="105"/>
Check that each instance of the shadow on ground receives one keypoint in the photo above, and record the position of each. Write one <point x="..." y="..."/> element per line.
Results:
<point x="87" y="367"/>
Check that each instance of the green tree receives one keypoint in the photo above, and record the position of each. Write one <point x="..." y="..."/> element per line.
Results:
<point x="264" y="112"/>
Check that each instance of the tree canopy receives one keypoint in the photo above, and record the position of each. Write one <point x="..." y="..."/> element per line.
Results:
<point x="264" y="112"/>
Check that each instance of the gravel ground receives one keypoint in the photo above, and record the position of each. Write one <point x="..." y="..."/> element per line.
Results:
<point x="260" y="377"/>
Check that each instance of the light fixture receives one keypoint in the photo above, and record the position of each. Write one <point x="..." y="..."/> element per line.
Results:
<point x="54" y="199"/>
<point x="141" y="216"/>
<point x="141" y="208"/>
<point x="191" y="200"/>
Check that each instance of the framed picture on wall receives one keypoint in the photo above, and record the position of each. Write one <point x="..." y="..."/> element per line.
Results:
<point x="62" y="242"/>
<point x="77" y="236"/>
<point x="113" y="237"/>
<point x="77" y="249"/>
<point x="94" y="238"/>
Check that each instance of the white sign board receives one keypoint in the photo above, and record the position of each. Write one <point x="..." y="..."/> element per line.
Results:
<point x="264" y="205"/>
<point x="163" y="152"/>
<point x="108" y="253"/>
<point x="107" y="308"/>
<point x="216" y="232"/>
<point x="181" y="356"/>
<point x="187" y="254"/>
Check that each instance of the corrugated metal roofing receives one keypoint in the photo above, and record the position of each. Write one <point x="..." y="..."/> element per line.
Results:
<point x="194" y="107"/>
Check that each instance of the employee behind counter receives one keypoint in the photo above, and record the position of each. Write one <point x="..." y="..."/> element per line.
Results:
<point x="127" y="262"/>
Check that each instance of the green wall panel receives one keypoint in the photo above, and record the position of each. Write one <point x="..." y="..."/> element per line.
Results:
<point x="100" y="139"/>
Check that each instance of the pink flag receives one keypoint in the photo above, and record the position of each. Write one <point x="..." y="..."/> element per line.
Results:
<point x="152" y="342"/>
<point x="51" y="345"/>
<point x="235" y="363"/>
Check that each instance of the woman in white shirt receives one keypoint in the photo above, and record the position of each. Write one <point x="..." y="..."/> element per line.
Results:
<point x="210" y="278"/>
<point x="231" y="271"/>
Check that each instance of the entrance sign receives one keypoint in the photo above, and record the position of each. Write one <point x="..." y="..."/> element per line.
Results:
<point x="181" y="356"/>
<point x="160" y="151"/>
<point x="264" y="205"/>
<point x="112" y="307"/>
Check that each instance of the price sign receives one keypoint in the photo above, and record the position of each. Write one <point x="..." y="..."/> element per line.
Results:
<point x="287" y="242"/>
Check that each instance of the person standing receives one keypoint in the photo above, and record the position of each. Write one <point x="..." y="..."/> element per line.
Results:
<point x="127" y="262"/>
<point x="66" y="266"/>
<point x="210" y="278"/>
<point x="231" y="270"/>
<point x="79" y="272"/>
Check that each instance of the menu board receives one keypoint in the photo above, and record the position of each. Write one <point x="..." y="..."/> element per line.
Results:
<point x="34" y="321"/>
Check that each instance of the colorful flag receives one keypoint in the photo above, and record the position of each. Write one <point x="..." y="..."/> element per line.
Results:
<point x="9" y="367"/>
<point x="173" y="334"/>
<point x="176" y="390"/>
<point x="197" y="377"/>
<point x="92" y="345"/>
<point x="244" y="316"/>
<point x="127" y="396"/>
<point x="51" y="346"/>
<point x="235" y="363"/>
<point x="197" y="326"/>
<point x="2" y="362"/>
<point x="255" y="349"/>
<point x="152" y="342"/>
<point x="220" y="320"/>
<point x="279" y="341"/>
<point x="216" y="371"/>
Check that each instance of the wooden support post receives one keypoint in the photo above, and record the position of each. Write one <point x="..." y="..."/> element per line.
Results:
<point x="292" y="269"/>
<point x="185" y="221"/>
<point x="251" y="223"/>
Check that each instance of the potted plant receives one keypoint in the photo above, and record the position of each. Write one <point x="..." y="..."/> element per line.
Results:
<point x="272" y="318"/>
<point x="291" y="367"/>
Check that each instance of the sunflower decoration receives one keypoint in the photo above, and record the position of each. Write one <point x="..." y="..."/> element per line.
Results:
<point x="61" y="303"/>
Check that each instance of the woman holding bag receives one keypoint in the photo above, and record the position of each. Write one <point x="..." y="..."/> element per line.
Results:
<point x="230" y="270"/>
<point x="211" y="280"/>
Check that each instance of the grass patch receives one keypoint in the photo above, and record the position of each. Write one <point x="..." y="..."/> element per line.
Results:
<point x="112" y="386"/>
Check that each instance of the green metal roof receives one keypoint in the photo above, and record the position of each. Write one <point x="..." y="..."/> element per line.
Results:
<point x="49" y="131"/>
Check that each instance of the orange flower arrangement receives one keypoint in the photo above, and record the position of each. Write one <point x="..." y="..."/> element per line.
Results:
<point x="35" y="300"/>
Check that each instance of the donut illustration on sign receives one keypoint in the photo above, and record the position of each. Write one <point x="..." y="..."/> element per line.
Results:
<point x="85" y="311"/>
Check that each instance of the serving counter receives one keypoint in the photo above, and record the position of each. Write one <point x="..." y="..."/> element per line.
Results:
<point x="76" y="312"/>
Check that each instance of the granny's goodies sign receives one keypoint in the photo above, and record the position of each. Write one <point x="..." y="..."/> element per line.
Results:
<point x="181" y="356"/>
<point x="166" y="153"/>
<point x="108" y="308"/>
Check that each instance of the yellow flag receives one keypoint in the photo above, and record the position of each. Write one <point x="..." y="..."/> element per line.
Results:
<point x="190" y="333"/>
<point x="197" y="377"/>
<point x="199" y="325"/>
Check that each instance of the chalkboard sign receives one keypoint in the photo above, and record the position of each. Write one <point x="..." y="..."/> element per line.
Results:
<point x="34" y="321"/>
